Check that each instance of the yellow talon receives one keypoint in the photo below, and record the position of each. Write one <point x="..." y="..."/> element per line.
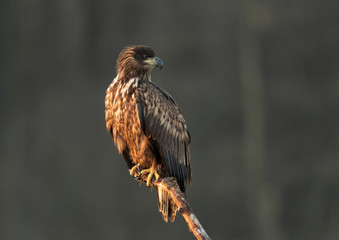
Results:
<point x="134" y="170"/>
<point x="151" y="171"/>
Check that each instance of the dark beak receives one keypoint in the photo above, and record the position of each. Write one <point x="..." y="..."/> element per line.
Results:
<point x="158" y="62"/>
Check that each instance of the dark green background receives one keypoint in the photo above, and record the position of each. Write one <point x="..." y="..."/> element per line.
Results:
<point x="257" y="82"/>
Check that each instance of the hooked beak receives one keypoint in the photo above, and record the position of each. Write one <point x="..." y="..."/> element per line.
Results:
<point x="155" y="62"/>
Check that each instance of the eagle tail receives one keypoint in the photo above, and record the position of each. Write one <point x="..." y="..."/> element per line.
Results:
<point x="166" y="205"/>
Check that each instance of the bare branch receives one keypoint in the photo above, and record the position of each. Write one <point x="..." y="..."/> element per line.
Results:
<point x="170" y="185"/>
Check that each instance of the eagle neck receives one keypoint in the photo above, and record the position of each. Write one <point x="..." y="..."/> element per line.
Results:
<point x="139" y="78"/>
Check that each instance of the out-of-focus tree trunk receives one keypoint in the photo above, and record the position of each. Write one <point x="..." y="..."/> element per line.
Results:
<point x="262" y="196"/>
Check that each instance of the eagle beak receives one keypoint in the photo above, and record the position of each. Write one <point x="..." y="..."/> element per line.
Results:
<point x="155" y="62"/>
<point x="159" y="62"/>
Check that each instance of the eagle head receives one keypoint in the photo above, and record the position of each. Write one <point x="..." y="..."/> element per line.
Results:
<point x="137" y="61"/>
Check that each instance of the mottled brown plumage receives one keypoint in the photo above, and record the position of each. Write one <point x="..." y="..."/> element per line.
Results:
<point x="146" y="123"/>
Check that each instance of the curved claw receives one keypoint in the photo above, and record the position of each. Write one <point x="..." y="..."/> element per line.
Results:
<point x="150" y="171"/>
<point x="134" y="171"/>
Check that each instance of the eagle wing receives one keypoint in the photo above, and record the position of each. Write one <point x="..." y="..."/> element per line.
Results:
<point x="164" y="125"/>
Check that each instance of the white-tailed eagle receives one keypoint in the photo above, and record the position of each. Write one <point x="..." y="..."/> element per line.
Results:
<point x="147" y="125"/>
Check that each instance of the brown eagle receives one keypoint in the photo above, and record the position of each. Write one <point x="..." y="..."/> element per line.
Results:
<point x="147" y="125"/>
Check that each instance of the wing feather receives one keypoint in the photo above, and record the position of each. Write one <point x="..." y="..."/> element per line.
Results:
<point x="163" y="122"/>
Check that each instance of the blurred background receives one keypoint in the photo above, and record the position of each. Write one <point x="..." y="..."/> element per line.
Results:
<point x="257" y="82"/>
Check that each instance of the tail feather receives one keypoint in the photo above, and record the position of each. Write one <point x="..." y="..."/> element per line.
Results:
<point x="166" y="205"/>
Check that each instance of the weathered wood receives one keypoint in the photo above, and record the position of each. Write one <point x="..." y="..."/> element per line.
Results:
<point x="170" y="185"/>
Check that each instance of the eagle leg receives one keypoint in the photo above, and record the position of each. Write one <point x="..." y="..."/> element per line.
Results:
<point x="135" y="170"/>
<point x="151" y="171"/>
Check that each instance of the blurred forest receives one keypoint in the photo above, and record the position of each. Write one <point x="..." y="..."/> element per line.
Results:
<point x="257" y="82"/>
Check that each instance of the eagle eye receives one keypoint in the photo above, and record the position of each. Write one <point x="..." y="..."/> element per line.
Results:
<point x="144" y="56"/>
